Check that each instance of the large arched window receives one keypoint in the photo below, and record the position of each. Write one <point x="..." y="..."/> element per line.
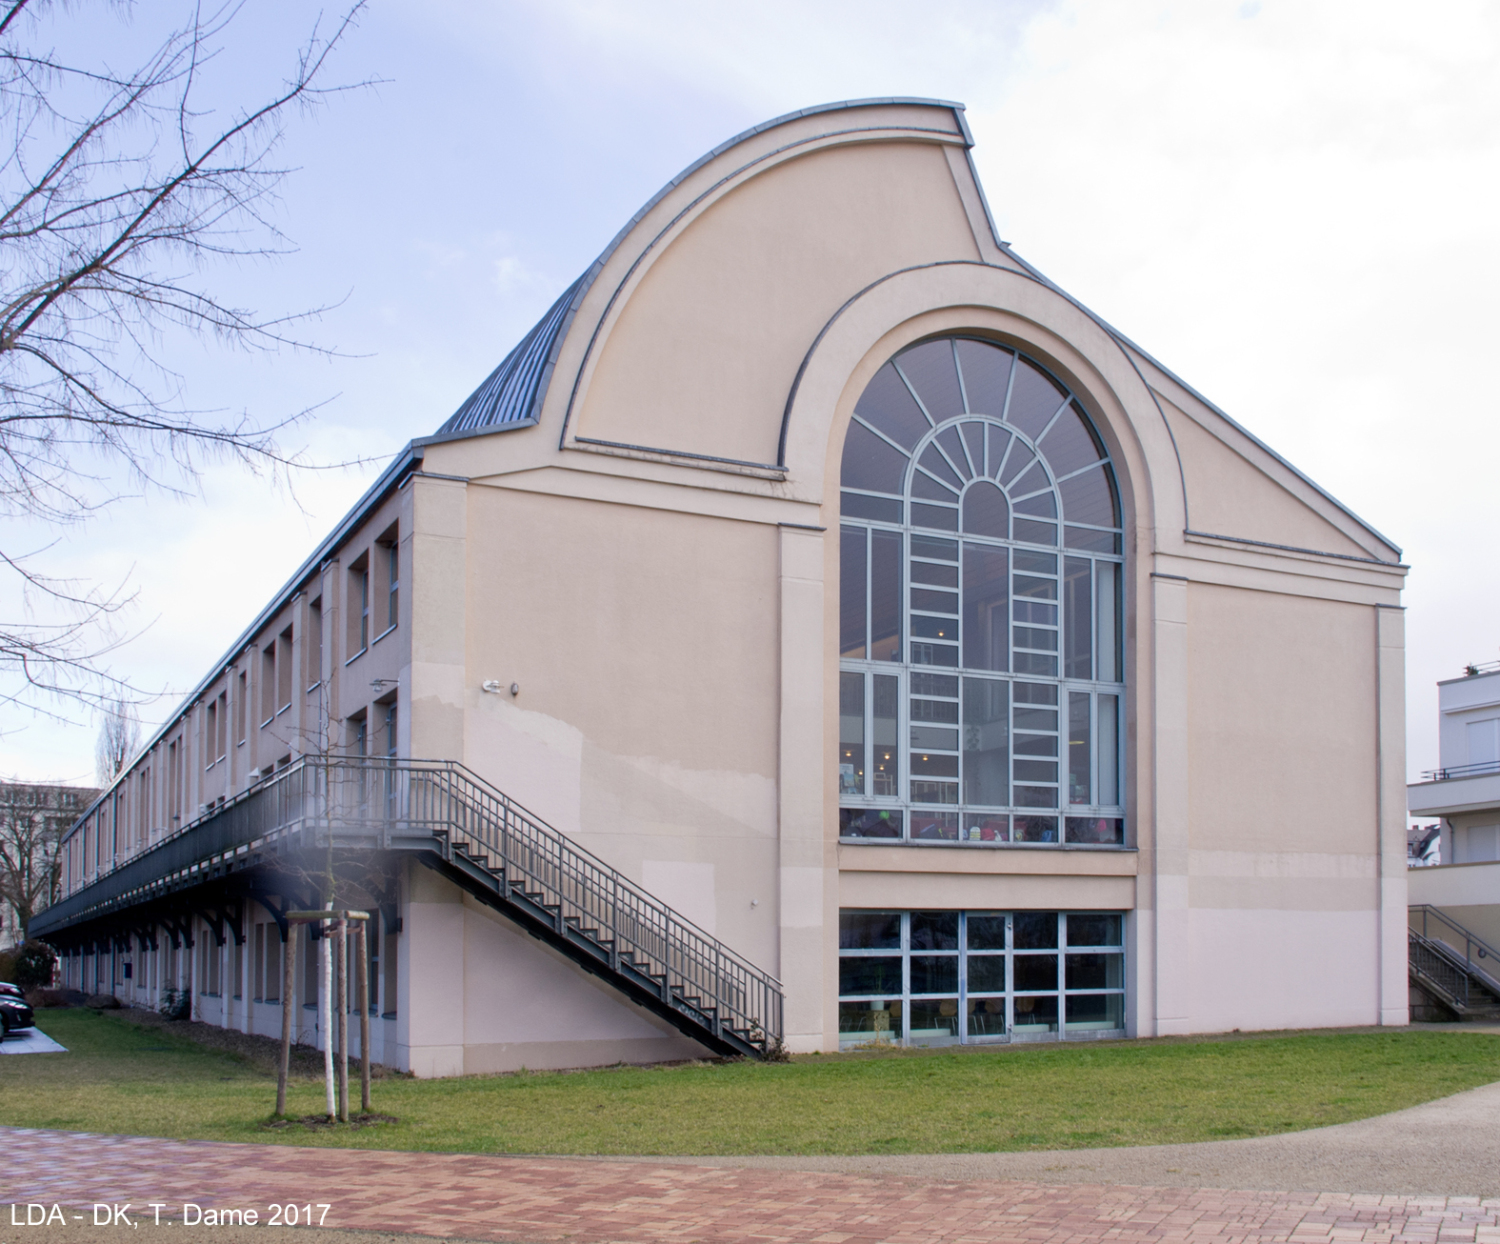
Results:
<point x="981" y="685"/>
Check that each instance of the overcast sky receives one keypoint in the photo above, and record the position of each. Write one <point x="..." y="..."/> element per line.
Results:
<point x="1290" y="204"/>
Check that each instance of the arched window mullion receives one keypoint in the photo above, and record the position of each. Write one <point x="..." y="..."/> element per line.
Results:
<point x="870" y="427"/>
<point x="1036" y="492"/>
<point x="1010" y="448"/>
<point x="963" y="443"/>
<point x="912" y="389"/>
<point x="1084" y="470"/>
<point x="946" y="456"/>
<point x="917" y="466"/>
<point x="963" y="391"/>
<point x="1056" y="415"/>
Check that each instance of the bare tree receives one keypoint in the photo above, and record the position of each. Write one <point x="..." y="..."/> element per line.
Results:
<point x="119" y="740"/>
<point x="118" y="190"/>
<point x="33" y="820"/>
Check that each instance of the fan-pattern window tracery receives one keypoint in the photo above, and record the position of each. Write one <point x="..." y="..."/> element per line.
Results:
<point x="981" y="685"/>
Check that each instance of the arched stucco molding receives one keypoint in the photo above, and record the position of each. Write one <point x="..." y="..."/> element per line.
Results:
<point x="1017" y="310"/>
<point x="630" y="258"/>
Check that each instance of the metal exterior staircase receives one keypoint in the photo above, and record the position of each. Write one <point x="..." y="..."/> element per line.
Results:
<point x="1463" y="980"/>
<point x="493" y="848"/>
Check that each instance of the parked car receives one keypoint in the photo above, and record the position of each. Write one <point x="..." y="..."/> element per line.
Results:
<point x="13" y="991"/>
<point x="14" y="1015"/>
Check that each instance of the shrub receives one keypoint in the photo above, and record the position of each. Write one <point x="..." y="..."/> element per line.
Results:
<point x="31" y="966"/>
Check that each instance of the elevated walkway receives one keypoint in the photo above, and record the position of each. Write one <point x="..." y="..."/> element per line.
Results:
<point x="1453" y="966"/>
<point x="458" y="825"/>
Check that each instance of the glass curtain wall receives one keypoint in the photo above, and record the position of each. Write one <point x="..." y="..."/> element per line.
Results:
<point x="981" y="692"/>
<point x="963" y="977"/>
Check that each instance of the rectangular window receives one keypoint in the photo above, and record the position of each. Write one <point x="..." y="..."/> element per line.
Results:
<point x="885" y="596"/>
<point x="313" y="640"/>
<point x="393" y="590"/>
<point x="241" y="691"/>
<point x="284" y="670"/>
<point x="360" y="738"/>
<point x="853" y="592"/>
<point x="258" y="964"/>
<point x="1109" y="750"/>
<point x="268" y="684"/>
<point x="885" y="764"/>
<point x="211" y="732"/>
<point x="986" y="616"/>
<point x="390" y="729"/>
<point x="273" y="963"/>
<point x="1107" y="613"/>
<point x="986" y="734"/>
<point x="388" y="1003"/>
<point x="1078" y="618"/>
<point x="946" y="978"/>
<point x="358" y="607"/>
<point x="851" y="734"/>
<point x="1080" y="789"/>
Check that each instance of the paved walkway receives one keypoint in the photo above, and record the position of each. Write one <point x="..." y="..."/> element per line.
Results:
<point x="645" y="1202"/>
<point x="31" y="1041"/>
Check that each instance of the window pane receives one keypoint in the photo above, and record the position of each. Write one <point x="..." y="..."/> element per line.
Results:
<point x="1087" y="540"/>
<point x="1035" y="972"/>
<point x="1036" y="797"/>
<point x="870" y="1021"/>
<point x="1109" y="749"/>
<point x="1079" y="787"/>
<point x="1037" y="693"/>
<point x="934" y="654"/>
<point x="986" y="741"/>
<point x="986" y="933"/>
<point x="934" y="973"/>
<point x="885" y="596"/>
<point x="888" y="405"/>
<point x="1040" y="505"/>
<point x="935" y="710"/>
<point x="934" y="602"/>
<point x="1103" y="929"/>
<point x="985" y="597"/>
<point x="934" y="1021"/>
<point x="851" y="734"/>
<point x="929" y="368"/>
<point x="1033" y="829"/>
<point x="1033" y="532"/>
<point x="986" y="373"/>
<point x="1034" y="399"/>
<point x="1096" y="971"/>
<point x="932" y="575"/>
<point x="974" y="443"/>
<point x="953" y="445"/>
<point x="926" y="791"/>
<point x="1107" y="598"/>
<point x="935" y="736"/>
<point x="936" y="517"/>
<point x="883" y="730"/>
<point x="986" y="1017"/>
<point x="934" y="930"/>
<point x="1038" y="589"/>
<point x="924" y="627"/>
<point x="870" y="974"/>
<point x="1017" y="463"/>
<point x="1035" y="1015"/>
<point x="934" y="548"/>
<point x="986" y="827"/>
<point x="1040" y="664"/>
<point x="882" y="509"/>
<point x="1033" y="637"/>
<point x="935" y="826"/>
<point x="1078" y="618"/>
<point x="1097" y="1011"/>
<point x="986" y="512"/>
<point x="934" y="461"/>
<point x="872" y="464"/>
<point x="870" y="930"/>
<point x="870" y="822"/>
<point x="933" y="764"/>
<point x="1088" y="498"/>
<point x="986" y="972"/>
<point x="852" y="591"/>
<point x="927" y="488"/>
<point x="1035" y="930"/>
<point x="1108" y="831"/>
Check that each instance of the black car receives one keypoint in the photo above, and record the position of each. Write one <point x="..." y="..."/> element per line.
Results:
<point x="14" y="1014"/>
<point x="7" y="988"/>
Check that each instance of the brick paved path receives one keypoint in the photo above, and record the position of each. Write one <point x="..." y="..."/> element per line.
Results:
<point x="535" y="1199"/>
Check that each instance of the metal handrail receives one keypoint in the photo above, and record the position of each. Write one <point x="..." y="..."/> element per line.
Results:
<point x="1475" y="947"/>
<point x="444" y="806"/>
<point x="1458" y="771"/>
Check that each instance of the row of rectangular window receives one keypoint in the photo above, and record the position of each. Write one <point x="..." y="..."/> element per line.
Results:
<point x="979" y="606"/>
<point x="944" y="977"/>
<point x="979" y="742"/>
<point x="979" y="828"/>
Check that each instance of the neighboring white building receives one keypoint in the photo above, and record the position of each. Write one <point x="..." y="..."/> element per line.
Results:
<point x="918" y="658"/>
<point x="1464" y="790"/>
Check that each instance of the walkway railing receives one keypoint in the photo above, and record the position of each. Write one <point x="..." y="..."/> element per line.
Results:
<point x="440" y="806"/>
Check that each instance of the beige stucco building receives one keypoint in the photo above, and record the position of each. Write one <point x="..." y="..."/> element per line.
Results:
<point x="847" y="587"/>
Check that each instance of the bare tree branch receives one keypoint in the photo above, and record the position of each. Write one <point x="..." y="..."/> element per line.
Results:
<point x="116" y="190"/>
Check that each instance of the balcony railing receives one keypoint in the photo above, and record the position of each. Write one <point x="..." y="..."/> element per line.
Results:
<point x="1460" y="771"/>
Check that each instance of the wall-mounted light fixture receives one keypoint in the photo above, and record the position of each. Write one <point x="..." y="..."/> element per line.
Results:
<point x="493" y="686"/>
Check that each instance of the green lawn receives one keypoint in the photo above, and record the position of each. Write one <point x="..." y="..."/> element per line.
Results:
<point x="121" y="1078"/>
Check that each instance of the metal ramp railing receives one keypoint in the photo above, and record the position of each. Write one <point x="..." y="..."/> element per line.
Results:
<point x="495" y="849"/>
<point x="1452" y="963"/>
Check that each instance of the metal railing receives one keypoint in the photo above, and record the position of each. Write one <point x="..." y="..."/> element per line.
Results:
<point x="1465" y="951"/>
<point x="1458" y="771"/>
<point x="441" y="806"/>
